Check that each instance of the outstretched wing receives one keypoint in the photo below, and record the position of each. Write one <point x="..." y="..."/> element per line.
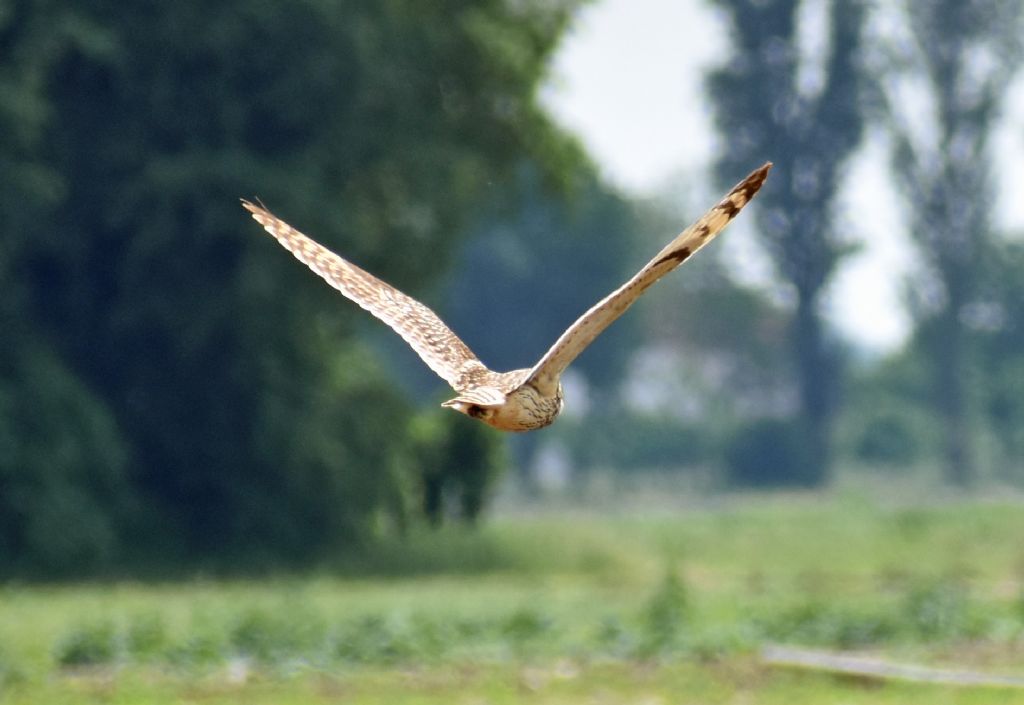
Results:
<point x="581" y="333"/>
<point x="420" y="327"/>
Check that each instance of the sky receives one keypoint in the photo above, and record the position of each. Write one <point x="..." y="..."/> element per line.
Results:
<point x="627" y="80"/>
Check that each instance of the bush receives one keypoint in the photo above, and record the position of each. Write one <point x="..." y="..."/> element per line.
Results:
<point x="204" y="647"/>
<point x="888" y="438"/>
<point x="63" y="488"/>
<point x="614" y="638"/>
<point x="635" y="440"/>
<point x="938" y="610"/>
<point x="834" y="626"/>
<point x="270" y="636"/>
<point x="92" y="644"/>
<point x="770" y="453"/>
<point x="525" y="624"/>
<point x="147" y="636"/>
<point x="374" y="639"/>
<point x="665" y="615"/>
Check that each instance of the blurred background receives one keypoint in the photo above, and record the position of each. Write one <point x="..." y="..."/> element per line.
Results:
<point x="177" y="393"/>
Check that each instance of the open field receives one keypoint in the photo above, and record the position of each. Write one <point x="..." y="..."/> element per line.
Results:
<point x="573" y="608"/>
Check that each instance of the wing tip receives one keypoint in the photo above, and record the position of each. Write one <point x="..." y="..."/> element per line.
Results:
<point x="255" y="207"/>
<point x="754" y="180"/>
<point x="742" y="193"/>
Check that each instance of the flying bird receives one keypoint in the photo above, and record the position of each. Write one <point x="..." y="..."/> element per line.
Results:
<point x="520" y="400"/>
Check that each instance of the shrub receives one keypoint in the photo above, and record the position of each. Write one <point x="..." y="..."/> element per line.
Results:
<point x="635" y="440"/>
<point x="270" y="636"/>
<point x="888" y="437"/>
<point x="835" y="626"/>
<point x="147" y="636"/>
<point x="665" y="615"/>
<point x="88" y="645"/>
<point x="204" y="647"/>
<point x="770" y="453"/>
<point x="938" y="610"/>
<point x="374" y="639"/>
<point x="613" y="638"/>
<point x="525" y="624"/>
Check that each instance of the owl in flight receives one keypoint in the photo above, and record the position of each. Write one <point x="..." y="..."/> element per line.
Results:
<point x="520" y="400"/>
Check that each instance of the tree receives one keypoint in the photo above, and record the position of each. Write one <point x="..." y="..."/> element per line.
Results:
<point x="248" y="417"/>
<point x="996" y="324"/>
<point x="457" y="463"/>
<point x="63" y="494"/>
<point x="957" y="58"/>
<point x="775" y="100"/>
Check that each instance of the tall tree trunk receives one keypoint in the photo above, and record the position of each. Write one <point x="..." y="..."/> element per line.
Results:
<point x="433" y="498"/>
<point x="951" y="397"/>
<point x="816" y="384"/>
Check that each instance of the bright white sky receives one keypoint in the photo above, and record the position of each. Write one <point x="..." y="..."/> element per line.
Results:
<point x="627" y="80"/>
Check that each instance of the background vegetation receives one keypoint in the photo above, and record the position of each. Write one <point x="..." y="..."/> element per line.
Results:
<point x="660" y="605"/>
<point x="221" y="483"/>
<point x="177" y="395"/>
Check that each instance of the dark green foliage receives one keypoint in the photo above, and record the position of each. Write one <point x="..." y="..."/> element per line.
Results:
<point x="888" y="421"/>
<point x="65" y="495"/>
<point x="888" y="437"/>
<point x="998" y="333"/>
<point x="457" y="461"/>
<point x="928" y="611"/>
<point x="525" y="624"/>
<point x="939" y="610"/>
<point x="820" y="624"/>
<point x="613" y="637"/>
<point x="665" y="616"/>
<point x="475" y="460"/>
<point x="634" y="440"/>
<point x="171" y="382"/>
<point x="275" y="635"/>
<point x="93" y="644"/>
<point x="371" y="639"/>
<point x="205" y="646"/>
<point x="770" y="453"/>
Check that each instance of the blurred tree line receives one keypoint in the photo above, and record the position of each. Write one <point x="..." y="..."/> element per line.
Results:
<point x="172" y="386"/>
<point x="176" y="390"/>
<point x="781" y="398"/>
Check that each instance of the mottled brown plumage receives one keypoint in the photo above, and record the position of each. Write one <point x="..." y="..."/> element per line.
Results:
<point x="521" y="400"/>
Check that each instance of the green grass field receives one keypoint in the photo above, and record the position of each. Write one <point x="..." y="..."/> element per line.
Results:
<point x="668" y="607"/>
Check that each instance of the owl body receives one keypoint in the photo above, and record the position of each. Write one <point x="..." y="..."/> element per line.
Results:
<point x="525" y="407"/>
